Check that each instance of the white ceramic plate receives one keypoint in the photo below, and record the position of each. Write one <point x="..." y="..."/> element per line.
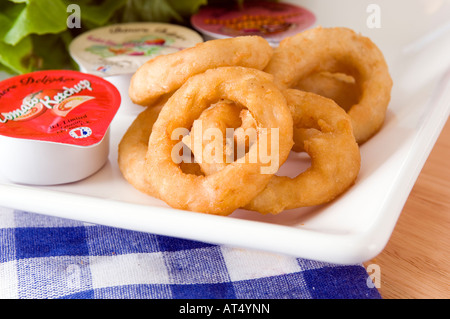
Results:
<point x="415" y="37"/>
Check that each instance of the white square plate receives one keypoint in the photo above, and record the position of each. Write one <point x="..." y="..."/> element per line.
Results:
<point x="415" y="38"/>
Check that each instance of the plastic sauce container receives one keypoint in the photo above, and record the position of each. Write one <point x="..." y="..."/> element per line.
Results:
<point x="54" y="126"/>
<point x="123" y="48"/>
<point x="272" y="20"/>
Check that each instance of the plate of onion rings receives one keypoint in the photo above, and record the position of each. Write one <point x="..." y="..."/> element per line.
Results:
<point x="351" y="107"/>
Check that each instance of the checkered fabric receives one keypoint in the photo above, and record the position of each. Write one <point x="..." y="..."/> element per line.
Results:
<point x="44" y="257"/>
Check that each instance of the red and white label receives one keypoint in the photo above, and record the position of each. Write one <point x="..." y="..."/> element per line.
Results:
<point x="67" y="107"/>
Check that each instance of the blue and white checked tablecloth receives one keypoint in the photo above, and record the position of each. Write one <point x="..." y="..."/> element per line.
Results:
<point x="43" y="257"/>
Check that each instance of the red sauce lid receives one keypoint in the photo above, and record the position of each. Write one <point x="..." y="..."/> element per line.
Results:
<point x="57" y="106"/>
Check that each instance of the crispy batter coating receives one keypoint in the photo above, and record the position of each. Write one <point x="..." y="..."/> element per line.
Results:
<point x="323" y="130"/>
<point x="338" y="50"/>
<point x="324" y="92"/>
<point x="233" y="187"/>
<point x="335" y="157"/>
<point x="222" y="116"/>
<point x="339" y="87"/>
<point x="165" y="73"/>
<point x="133" y="149"/>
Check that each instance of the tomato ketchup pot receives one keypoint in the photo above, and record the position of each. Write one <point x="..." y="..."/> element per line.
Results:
<point x="54" y="126"/>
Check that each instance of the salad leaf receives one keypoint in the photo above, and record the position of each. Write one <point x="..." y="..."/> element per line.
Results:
<point x="157" y="10"/>
<point x="97" y="13"/>
<point x="36" y="17"/>
<point x="44" y="58"/>
<point x="12" y="58"/>
<point x="187" y="8"/>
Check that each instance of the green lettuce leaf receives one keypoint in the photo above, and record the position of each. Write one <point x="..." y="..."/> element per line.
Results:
<point x="36" y="17"/>
<point x="187" y="8"/>
<point x="97" y="13"/>
<point x="12" y="57"/>
<point x="156" y="10"/>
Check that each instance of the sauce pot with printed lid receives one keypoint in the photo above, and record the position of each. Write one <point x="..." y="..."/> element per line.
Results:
<point x="54" y="126"/>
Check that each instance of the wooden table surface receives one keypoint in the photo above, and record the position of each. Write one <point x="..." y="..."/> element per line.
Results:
<point x="415" y="263"/>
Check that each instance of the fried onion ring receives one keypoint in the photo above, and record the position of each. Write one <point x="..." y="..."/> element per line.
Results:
<point x="324" y="131"/>
<point x="221" y="116"/>
<point x="335" y="157"/>
<point x="339" y="87"/>
<point x="133" y="149"/>
<point x="338" y="50"/>
<point x="234" y="186"/>
<point x="165" y="73"/>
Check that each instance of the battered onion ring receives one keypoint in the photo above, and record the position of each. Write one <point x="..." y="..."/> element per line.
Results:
<point x="166" y="73"/>
<point x="339" y="87"/>
<point x="225" y="191"/>
<point x="338" y="50"/>
<point x="221" y="116"/>
<point x="324" y="131"/>
<point x="133" y="149"/>
<point x="335" y="157"/>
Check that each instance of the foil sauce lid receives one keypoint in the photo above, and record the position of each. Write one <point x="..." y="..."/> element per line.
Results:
<point x="273" y="21"/>
<point x="123" y="48"/>
<point x="66" y="107"/>
<point x="53" y="117"/>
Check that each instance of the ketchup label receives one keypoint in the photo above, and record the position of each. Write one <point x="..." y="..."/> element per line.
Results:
<point x="67" y="107"/>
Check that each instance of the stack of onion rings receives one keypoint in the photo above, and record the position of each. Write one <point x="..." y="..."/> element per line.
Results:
<point x="316" y="97"/>
<point x="230" y="188"/>
<point x="324" y="131"/>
